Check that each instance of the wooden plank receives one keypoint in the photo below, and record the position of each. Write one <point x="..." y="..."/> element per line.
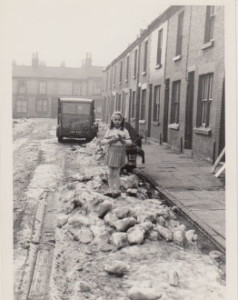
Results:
<point x="217" y="161"/>
<point x="220" y="170"/>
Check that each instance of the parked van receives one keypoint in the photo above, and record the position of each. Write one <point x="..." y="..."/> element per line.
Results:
<point x="76" y="119"/>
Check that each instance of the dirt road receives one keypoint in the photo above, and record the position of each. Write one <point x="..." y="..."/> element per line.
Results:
<point x="72" y="242"/>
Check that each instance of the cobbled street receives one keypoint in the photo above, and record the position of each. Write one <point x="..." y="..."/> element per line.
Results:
<point x="71" y="242"/>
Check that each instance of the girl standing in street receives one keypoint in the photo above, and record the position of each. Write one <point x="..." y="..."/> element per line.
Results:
<point x="117" y="137"/>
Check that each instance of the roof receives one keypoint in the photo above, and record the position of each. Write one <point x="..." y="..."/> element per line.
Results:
<point x="57" y="72"/>
<point x="70" y="99"/>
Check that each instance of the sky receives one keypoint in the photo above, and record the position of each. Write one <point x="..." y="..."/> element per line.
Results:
<point x="65" y="30"/>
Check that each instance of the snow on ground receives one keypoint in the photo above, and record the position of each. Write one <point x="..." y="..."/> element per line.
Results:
<point x="131" y="247"/>
<point x="21" y="126"/>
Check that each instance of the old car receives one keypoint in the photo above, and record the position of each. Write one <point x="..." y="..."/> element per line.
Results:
<point x="76" y="119"/>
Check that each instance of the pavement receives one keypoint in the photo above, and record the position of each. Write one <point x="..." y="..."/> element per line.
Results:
<point x="188" y="184"/>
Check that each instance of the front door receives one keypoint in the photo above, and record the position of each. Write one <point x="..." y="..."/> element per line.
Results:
<point x="149" y="111"/>
<point x="166" y="111"/>
<point x="222" y="126"/>
<point x="137" y="108"/>
<point x="189" y="112"/>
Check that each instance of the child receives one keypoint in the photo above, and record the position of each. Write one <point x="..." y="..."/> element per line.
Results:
<point x="116" y="137"/>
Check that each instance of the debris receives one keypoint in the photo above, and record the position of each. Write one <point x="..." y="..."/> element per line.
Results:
<point x="179" y="238"/>
<point x="181" y="227"/>
<point x="172" y="215"/>
<point x="62" y="219"/>
<point x="135" y="235"/>
<point x="215" y="254"/>
<point x="122" y="212"/>
<point x="153" y="235"/>
<point x="190" y="234"/>
<point x="140" y="293"/>
<point x="103" y="209"/>
<point x="84" y="235"/>
<point x="130" y="181"/>
<point x="161" y="220"/>
<point x="84" y="287"/>
<point x="118" y="268"/>
<point x="131" y="192"/>
<point x="125" y="224"/>
<point x="110" y="219"/>
<point x="164" y="232"/>
<point x="174" y="223"/>
<point x="173" y="278"/>
<point x="119" y="239"/>
<point x="78" y="221"/>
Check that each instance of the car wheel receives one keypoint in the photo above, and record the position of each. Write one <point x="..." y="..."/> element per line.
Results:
<point x="60" y="139"/>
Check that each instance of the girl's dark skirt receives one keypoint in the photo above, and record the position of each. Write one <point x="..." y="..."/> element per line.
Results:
<point x="115" y="156"/>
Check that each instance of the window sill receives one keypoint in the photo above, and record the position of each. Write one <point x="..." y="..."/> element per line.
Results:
<point x="126" y="80"/>
<point x="156" y="123"/>
<point x="202" y="130"/>
<point x="158" y="66"/>
<point x="174" y="126"/>
<point x="143" y="73"/>
<point x="133" y="119"/>
<point x="208" y="45"/>
<point x="178" y="57"/>
<point x="142" y="122"/>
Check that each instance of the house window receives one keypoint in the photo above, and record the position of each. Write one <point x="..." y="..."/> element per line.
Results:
<point x="84" y="88"/>
<point x="204" y="99"/>
<point x="159" y="47"/>
<point x="42" y="87"/>
<point x="42" y="105"/>
<point x="174" y="118"/>
<point x="76" y="89"/>
<point x="135" y="63"/>
<point x="179" y="34"/>
<point x="111" y="77"/>
<point x="115" y="74"/>
<point x="107" y="79"/>
<point x="156" y="104"/>
<point x="21" y="87"/>
<point x="143" y="101"/>
<point x="145" y="56"/>
<point x="97" y="87"/>
<point x="133" y="105"/>
<point x="121" y="66"/>
<point x="118" y="103"/>
<point x="209" y="25"/>
<point x="127" y="67"/>
<point x="21" y="106"/>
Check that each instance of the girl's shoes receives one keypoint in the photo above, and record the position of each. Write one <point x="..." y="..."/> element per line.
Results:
<point x="113" y="195"/>
<point x="109" y="194"/>
<point x="116" y="195"/>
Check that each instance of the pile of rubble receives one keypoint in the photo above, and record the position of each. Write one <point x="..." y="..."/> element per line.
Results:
<point x="122" y="224"/>
<point x="119" y="234"/>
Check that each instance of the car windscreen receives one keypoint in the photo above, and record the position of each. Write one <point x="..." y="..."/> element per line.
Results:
<point x="75" y="108"/>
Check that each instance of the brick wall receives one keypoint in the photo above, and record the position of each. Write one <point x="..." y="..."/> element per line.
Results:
<point x="192" y="58"/>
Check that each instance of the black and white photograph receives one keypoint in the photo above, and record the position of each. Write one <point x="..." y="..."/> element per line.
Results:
<point x="118" y="150"/>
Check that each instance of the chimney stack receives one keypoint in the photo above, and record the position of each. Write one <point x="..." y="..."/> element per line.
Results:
<point x="35" y="60"/>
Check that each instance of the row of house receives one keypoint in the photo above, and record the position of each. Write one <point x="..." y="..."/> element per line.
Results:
<point x="169" y="83"/>
<point x="37" y="87"/>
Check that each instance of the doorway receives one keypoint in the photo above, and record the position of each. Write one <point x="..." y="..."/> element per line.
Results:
<point x="189" y="112"/>
<point x="149" y="111"/>
<point x="166" y="111"/>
